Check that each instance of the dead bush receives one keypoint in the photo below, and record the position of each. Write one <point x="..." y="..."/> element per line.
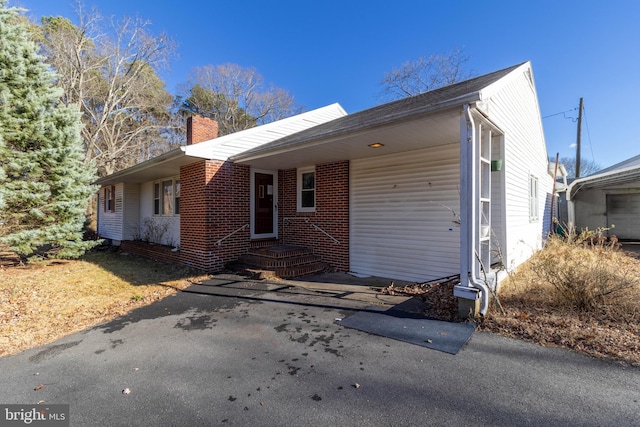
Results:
<point x="586" y="271"/>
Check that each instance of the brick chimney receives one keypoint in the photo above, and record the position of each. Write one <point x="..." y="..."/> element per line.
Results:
<point x="201" y="129"/>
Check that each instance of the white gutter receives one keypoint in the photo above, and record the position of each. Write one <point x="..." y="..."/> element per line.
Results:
<point x="470" y="218"/>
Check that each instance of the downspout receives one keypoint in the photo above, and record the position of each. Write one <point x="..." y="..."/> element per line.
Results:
<point x="473" y="216"/>
<point x="571" y="208"/>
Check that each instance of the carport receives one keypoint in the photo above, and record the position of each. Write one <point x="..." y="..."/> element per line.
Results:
<point x="609" y="199"/>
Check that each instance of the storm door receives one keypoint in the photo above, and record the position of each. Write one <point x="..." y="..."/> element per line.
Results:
<point x="263" y="205"/>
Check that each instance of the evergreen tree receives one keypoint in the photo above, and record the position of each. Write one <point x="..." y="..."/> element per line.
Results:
<point x="45" y="185"/>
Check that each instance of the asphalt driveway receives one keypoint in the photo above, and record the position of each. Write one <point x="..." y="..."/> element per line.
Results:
<point x="249" y="356"/>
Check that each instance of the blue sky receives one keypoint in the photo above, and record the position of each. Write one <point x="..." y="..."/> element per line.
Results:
<point x="338" y="51"/>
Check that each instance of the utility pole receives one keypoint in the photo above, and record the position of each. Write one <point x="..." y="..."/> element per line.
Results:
<point x="578" y="142"/>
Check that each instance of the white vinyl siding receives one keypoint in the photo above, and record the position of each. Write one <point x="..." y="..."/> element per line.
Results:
<point x="534" y="211"/>
<point x="110" y="224"/>
<point x="122" y="223"/>
<point x="148" y="219"/>
<point x="131" y="211"/>
<point x="515" y="111"/>
<point x="402" y="214"/>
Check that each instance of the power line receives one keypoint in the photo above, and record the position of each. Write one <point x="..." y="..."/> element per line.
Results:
<point x="564" y="113"/>
<point x="586" y="122"/>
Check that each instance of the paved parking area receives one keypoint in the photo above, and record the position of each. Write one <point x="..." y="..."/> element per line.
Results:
<point x="245" y="355"/>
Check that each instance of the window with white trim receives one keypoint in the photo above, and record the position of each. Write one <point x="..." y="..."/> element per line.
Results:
<point x="110" y="199"/>
<point x="533" y="198"/>
<point x="306" y="184"/>
<point x="166" y="197"/>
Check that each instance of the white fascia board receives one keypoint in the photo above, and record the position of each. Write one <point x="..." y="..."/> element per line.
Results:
<point x="484" y="117"/>
<point x="224" y="147"/>
<point x="488" y="91"/>
<point x="156" y="161"/>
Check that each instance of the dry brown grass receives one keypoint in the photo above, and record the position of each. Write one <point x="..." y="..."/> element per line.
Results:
<point x="575" y="295"/>
<point x="43" y="302"/>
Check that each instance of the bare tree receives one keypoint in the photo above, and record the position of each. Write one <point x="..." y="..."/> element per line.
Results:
<point x="110" y="73"/>
<point x="425" y="74"/>
<point x="236" y="97"/>
<point x="587" y="167"/>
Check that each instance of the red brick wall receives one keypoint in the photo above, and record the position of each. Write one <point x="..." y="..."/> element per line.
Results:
<point x="201" y="129"/>
<point x="214" y="202"/>
<point x="331" y="214"/>
<point x="157" y="252"/>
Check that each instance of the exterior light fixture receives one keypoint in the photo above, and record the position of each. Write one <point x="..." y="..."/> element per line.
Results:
<point x="376" y="145"/>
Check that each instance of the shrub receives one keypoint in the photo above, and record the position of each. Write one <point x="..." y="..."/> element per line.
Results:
<point x="585" y="271"/>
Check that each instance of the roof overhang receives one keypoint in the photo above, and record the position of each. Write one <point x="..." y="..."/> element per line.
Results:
<point x="602" y="180"/>
<point x="420" y="121"/>
<point x="422" y="132"/>
<point x="165" y="165"/>
<point x="426" y="126"/>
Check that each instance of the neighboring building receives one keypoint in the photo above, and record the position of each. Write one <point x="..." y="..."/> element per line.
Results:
<point x="608" y="199"/>
<point x="418" y="189"/>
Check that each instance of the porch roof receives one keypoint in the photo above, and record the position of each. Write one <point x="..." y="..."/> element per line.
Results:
<point x="162" y="166"/>
<point x="221" y="148"/>
<point x="428" y="119"/>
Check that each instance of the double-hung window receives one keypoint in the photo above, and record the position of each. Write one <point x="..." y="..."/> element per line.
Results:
<point x="110" y="199"/>
<point x="166" y="197"/>
<point x="306" y="189"/>
<point x="533" y="198"/>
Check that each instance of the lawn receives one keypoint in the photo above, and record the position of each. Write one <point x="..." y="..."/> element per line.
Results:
<point x="40" y="303"/>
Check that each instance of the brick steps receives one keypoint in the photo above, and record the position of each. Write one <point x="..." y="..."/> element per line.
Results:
<point x="280" y="261"/>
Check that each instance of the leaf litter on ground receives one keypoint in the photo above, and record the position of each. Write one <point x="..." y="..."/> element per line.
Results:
<point x="42" y="302"/>
<point x="606" y="333"/>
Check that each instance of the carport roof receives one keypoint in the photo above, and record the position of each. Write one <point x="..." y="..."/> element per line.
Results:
<point x="620" y="173"/>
